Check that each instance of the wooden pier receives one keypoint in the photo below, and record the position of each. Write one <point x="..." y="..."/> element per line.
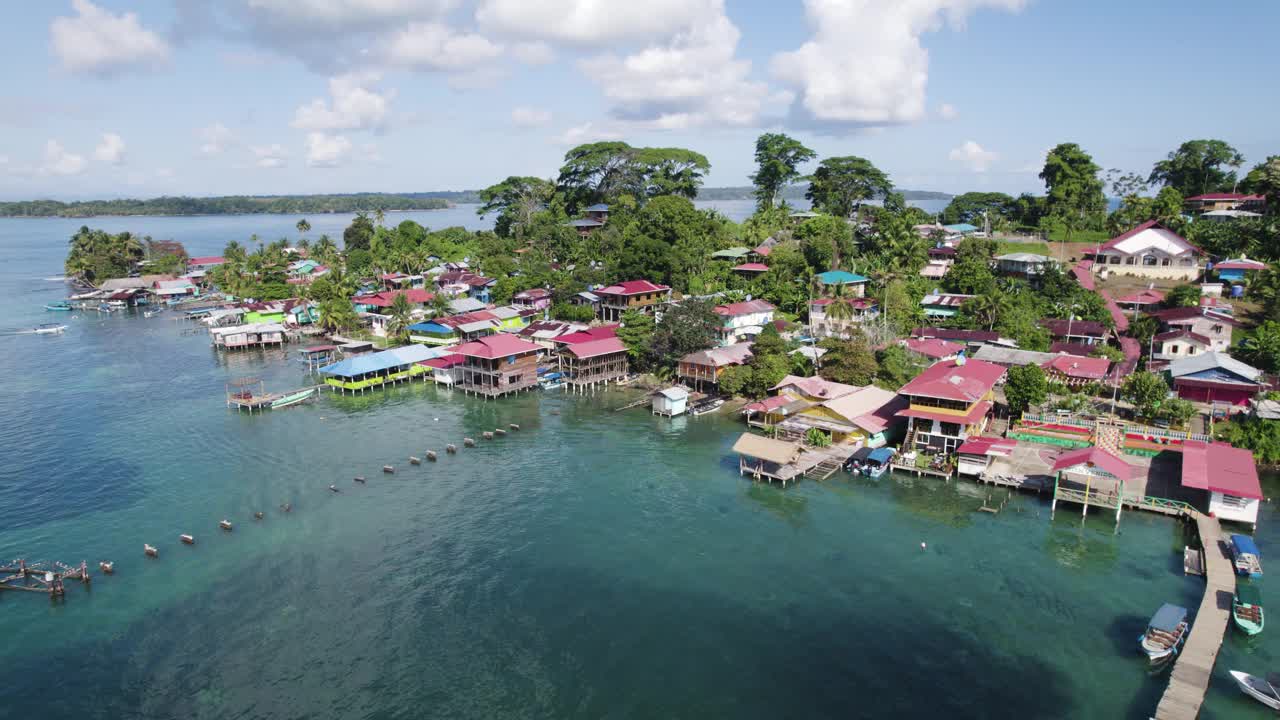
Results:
<point x="251" y="394"/>
<point x="1191" y="671"/>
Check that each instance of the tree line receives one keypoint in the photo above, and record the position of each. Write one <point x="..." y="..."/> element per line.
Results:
<point x="226" y="205"/>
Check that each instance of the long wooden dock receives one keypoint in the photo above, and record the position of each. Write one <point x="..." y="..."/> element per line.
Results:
<point x="1194" y="666"/>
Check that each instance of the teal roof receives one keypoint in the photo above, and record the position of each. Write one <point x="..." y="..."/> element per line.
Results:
<point x="961" y="228"/>
<point x="840" y="277"/>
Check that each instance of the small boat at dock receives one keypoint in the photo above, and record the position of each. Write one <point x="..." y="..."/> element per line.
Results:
<point x="1246" y="556"/>
<point x="877" y="462"/>
<point x="706" y="406"/>
<point x="1265" y="690"/>
<point x="292" y="398"/>
<point x="1165" y="632"/>
<point x="551" y="381"/>
<point x="59" y="306"/>
<point x="1246" y="609"/>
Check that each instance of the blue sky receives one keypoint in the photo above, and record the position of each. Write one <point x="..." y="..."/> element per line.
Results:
<point x="111" y="99"/>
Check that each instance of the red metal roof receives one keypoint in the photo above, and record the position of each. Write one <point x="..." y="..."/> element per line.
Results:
<point x="207" y="260"/>
<point x="1225" y="196"/>
<point x="951" y="380"/>
<point x="1083" y="368"/>
<point x="595" y="333"/>
<point x="319" y="348"/>
<point x="1233" y="469"/>
<point x="632" y="287"/>
<point x="595" y="348"/>
<point x="496" y="346"/>
<point x="763" y="251"/>
<point x="962" y="335"/>
<point x="1150" y="296"/>
<point x="1117" y="315"/>
<point x="385" y="298"/>
<point x="1072" y="348"/>
<point x="770" y="403"/>
<point x="744" y="308"/>
<point x="1097" y="457"/>
<point x="987" y="446"/>
<point x="934" y="348"/>
<point x="1177" y="314"/>
<point x="1184" y="335"/>
<point x="1240" y="264"/>
<point x="1083" y="276"/>
<point x="974" y="415"/>
<point x="1075" y="328"/>
<point x="1147" y="226"/>
<point x="1131" y="348"/>
<point x="752" y="267"/>
<point x="444" y="362"/>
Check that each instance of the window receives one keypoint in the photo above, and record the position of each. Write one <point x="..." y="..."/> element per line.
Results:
<point x="1217" y="329"/>
<point x="1171" y="349"/>
<point x="1115" y="260"/>
<point x="1130" y="261"/>
<point x="1165" y="262"/>
<point x="1191" y="350"/>
<point x="1149" y="260"/>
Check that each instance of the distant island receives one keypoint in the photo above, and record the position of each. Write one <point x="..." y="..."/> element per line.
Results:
<point x="317" y="204"/>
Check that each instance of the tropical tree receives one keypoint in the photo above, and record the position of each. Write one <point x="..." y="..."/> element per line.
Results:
<point x="1147" y="391"/>
<point x="1025" y="385"/>
<point x="848" y="361"/>
<point x="636" y="334"/>
<point x="515" y="200"/>
<point x="841" y="184"/>
<point x="1262" y="347"/>
<point x="1074" y="196"/>
<point x="401" y="314"/>
<point x="1197" y="167"/>
<point x="778" y="159"/>
<point x="1183" y="296"/>
<point x="1264" y="179"/>
<point x="336" y="314"/>
<point x="358" y="234"/>
<point x="304" y="227"/>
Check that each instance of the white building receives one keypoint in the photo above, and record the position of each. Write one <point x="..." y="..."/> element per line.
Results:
<point x="743" y="321"/>
<point x="1228" y="474"/>
<point x="1149" y="250"/>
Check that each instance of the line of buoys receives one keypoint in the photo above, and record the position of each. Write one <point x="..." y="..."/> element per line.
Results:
<point x="415" y="460"/>
<point x="388" y="469"/>
<point x="468" y="442"/>
<point x="150" y="551"/>
<point x="451" y="448"/>
<point x="225" y="525"/>
<point x="359" y="479"/>
<point x="499" y="431"/>
<point x="431" y="455"/>
<point x="187" y="539"/>
<point x="514" y="426"/>
<point x="487" y="435"/>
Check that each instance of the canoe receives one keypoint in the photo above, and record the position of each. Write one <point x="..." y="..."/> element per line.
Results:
<point x="1264" y="690"/>
<point x="1247" y="609"/>
<point x="1165" y="632"/>
<point x="60" y="306"/>
<point x="292" y="398"/>
<point x="1246" y="557"/>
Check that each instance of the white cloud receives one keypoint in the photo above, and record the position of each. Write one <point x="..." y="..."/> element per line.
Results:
<point x="215" y="138"/>
<point x="347" y="13"/>
<point x="973" y="156"/>
<point x="947" y="111"/>
<point x="436" y="47"/>
<point x="57" y="161"/>
<point x="864" y="64"/>
<point x="324" y="150"/>
<point x="691" y="80"/>
<point x="110" y="150"/>
<point x="164" y="173"/>
<point x="527" y="117"/>
<point x="96" y="41"/>
<point x="585" y="133"/>
<point x="533" y="53"/>
<point x="353" y="106"/>
<point x="591" y="23"/>
<point x="270" y="156"/>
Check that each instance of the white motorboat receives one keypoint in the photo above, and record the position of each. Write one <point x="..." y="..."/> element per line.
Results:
<point x="1165" y="632"/>
<point x="1264" y="690"/>
<point x="49" y="329"/>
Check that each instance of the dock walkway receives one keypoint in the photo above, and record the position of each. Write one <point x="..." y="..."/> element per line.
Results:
<point x="1194" y="666"/>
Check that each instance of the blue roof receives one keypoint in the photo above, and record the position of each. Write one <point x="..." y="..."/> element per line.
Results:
<point x="1168" y="617"/>
<point x="1244" y="545"/>
<point x="598" y="207"/>
<point x="431" y="326"/>
<point x="961" y="228"/>
<point x="385" y="360"/>
<point x="880" y="455"/>
<point x="840" y="277"/>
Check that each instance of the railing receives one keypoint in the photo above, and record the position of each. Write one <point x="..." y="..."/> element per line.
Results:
<point x="1057" y="420"/>
<point x="1162" y="504"/>
<point x="1110" y="500"/>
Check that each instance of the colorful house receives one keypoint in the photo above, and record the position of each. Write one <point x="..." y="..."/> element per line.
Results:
<point x="1087" y="332"/>
<point x="498" y="364"/>
<point x="1235" y="270"/>
<point x="1094" y="470"/>
<point x="1202" y="321"/>
<point x="1228" y="474"/>
<point x="630" y="295"/>
<point x="206" y="262"/>
<point x="702" y="369"/>
<point x="595" y="362"/>
<point x="369" y="370"/>
<point x="1074" y="371"/>
<point x="1142" y="300"/>
<point x="943" y="305"/>
<point x="822" y="324"/>
<point x="1150" y="250"/>
<point x="751" y="270"/>
<point x="1215" y="377"/>
<point x="532" y="299"/>
<point x="544" y="332"/>
<point x="933" y="349"/>
<point x="859" y="416"/>
<point x="1211" y="202"/>
<point x="743" y="321"/>
<point x="174" y="289"/>
<point x="949" y="402"/>
<point x="446" y="369"/>
<point x="856" y="284"/>
<point x="456" y="283"/>
<point x="670" y="401"/>
<point x="379" y="301"/>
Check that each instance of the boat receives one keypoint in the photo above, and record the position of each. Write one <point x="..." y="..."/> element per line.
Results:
<point x="706" y="406"/>
<point x="59" y="306"/>
<point x="551" y="381"/>
<point x="1165" y="632"/>
<point x="1245" y="555"/>
<point x="49" y="329"/>
<point x="292" y="398"/>
<point x="878" y="462"/>
<point x="1264" y="690"/>
<point x="1247" y="608"/>
<point x="858" y="460"/>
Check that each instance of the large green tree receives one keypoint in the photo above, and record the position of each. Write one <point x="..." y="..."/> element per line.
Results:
<point x="688" y="327"/>
<point x="1198" y="167"/>
<point x="605" y="171"/>
<point x="358" y="234"/>
<point x="1146" y="391"/>
<point x="515" y="200"/>
<point x="841" y="184"/>
<point x="1025" y="385"/>
<point x="778" y="161"/>
<point x="1264" y="179"/>
<point x="973" y="207"/>
<point x="636" y="333"/>
<point x="849" y="361"/>
<point x="1074" y="191"/>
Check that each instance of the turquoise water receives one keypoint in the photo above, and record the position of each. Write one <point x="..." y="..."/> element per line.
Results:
<point x="593" y="564"/>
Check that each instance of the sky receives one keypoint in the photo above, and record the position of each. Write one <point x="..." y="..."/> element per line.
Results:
<point x="103" y="99"/>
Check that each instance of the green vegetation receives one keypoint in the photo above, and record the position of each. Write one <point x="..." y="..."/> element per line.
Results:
<point x="1147" y="391"/>
<point x="1196" y="167"/>
<point x="778" y="159"/>
<point x="96" y="255"/>
<point x="1025" y="385"/>
<point x="226" y="205"/>
<point x="1261" y="437"/>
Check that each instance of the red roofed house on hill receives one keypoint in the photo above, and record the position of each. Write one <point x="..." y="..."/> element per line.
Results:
<point x="498" y="364"/>
<point x="1074" y="370"/>
<point x="1202" y="321"/>
<point x="594" y="362"/>
<point x="1149" y="250"/>
<point x="1211" y="202"/>
<point x="949" y="402"/>
<point x="933" y="349"/>
<point x="630" y="295"/>
<point x="743" y="321"/>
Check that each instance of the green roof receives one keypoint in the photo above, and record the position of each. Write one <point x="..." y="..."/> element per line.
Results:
<point x="732" y="253"/>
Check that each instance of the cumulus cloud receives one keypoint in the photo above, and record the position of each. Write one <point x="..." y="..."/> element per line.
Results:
<point x="591" y="23"/>
<point x="215" y="138"/>
<point x="533" y="53"/>
<point x="97" y="41"/>
<point x="270" y="156"/>
<point x="324" y="150"/>
<point x="58" y="161"/>
<point x="435" y="47"/>
<point x="864" y="65"/>
<point x="353" y="105"/>
<point x="110" y="150"/>
<point x="947" y="111"/>
<point x="973" y="156"/>
<point x="527" y="117"/>
<point x="585" y="133"/>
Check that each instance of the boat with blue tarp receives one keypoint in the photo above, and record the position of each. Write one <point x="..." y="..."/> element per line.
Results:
<point x="1247" y="608"/>
<point x="1165" y="632"/>
<point x="551" y="381"/>
<point x="878" y="462"/>
<point x="1246" y="557"/>
<point x="858" y="460"/>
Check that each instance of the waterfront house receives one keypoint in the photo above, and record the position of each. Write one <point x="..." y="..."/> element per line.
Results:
<point x="368" y="370"/>
<point x="1215" y="202"/>
<point x="1215" y="377"/>
<point x="593" y="362"/>
<point x="511" y="319"/>
<point x="743" y="321"/>
<point x="243" y="336"/>
<point x="532" y="299"/>
<point x="1228" y="474"/>
<point x="850" y="414"/>
<point x="1028" y="266"/>
<point x="972" y="339"/>
<point x="544" y="332"/>
<point x="498" y="364"/>
<point x="943" y="305"/>
<point x="639" y="295"/>
<point x="381" y="301"/>
<point x="854" y="283"/>
<point x="949" y="402"/>
<point x="586" y="335"/>
<point x="1177" y="344"/>
<point x="1074" y="371"/>
<point x="767" y="458"/>
<point x="670" y="401"/>
<point x="446" y="369"/>
<point x="702" y="369"/>
<point x="175" y="289"/>
<point x="1094" y="471"/>
<point x="1236" y="269"/>
<point x="1150" y="250"/>
<point x="455" y="328"/>
<point x="823" y="324"/>
<point x="975" y="455"/>
<point x="1086" y="332"/>
<point x="932" y="349"/>
<point x="1202" y="321"/>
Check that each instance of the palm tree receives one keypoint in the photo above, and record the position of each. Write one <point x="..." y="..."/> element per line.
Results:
<point x="337" y="314"/>
<point x="304" y="227"/>
<point x="986" y="308"/>
<point x="326" y="251"/>
<point x="840" y="310"/>
<point x="234" y="252"/>
<point x="439" y="305"/>
<point x="379" y="217"/>
<point x="401" y="312"/>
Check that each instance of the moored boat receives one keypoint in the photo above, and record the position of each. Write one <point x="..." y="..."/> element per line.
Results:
<point x="1165" y="632"/>
<point x="1246" y="556"/>
<point x="858" y="460"/>
<point x="1265" y="690"/>
<point x="1247" y="608"/>
<point x="706" y="406"/>
<point x="878" y="462"/>
<point x="551" y="381"/>
<point x="59" y="306"/>
<point x="292" y="398"/>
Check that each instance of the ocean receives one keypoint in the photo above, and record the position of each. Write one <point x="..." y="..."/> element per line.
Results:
<point x="594" y="564"/>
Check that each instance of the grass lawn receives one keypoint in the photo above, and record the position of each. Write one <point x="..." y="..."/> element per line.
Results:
<point x="1081" y="236"/>
<point x="1004" y="247"/>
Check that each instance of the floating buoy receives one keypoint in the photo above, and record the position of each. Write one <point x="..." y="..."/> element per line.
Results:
<point x="106" y="567"/>
<point x="225" y="525"/>
<point x="334" y="488"/>
<point x="388" y="469"/>
<point x="468" y="442"/>
<point x="436" y="419"/>
<point x="415" y="460"/>
<point x="187" y="539"/>
<point x="286" y="507"/>
<point x="431" y="455"/>
<point x="150" y="551"/>
<point x="257" y="516"/>
<point x="359" y="479"/>
<point x="514" y="426"/>
<point x="923" y="546"/>
<point x="499" y="431"/>
<point x="487" y="435"/>
<point x="451" y="448"/>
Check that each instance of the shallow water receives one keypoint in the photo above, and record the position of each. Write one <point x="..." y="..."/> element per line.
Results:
<point x="593" y="564"/>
